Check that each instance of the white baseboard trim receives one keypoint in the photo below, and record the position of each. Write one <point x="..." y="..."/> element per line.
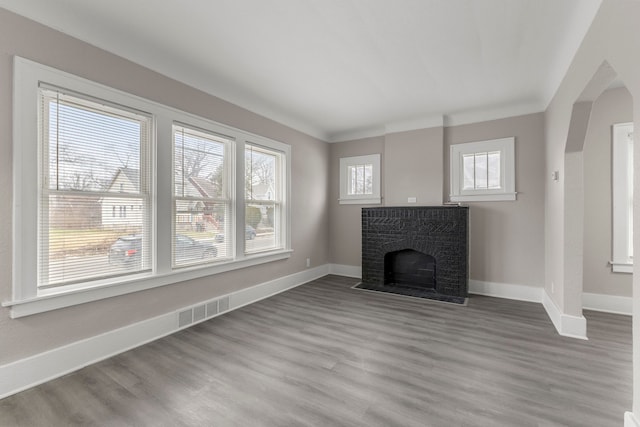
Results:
<point x="566" y="325"/>
<point x="607" y="303"/>
<point x="630" y="420"/>
<point x="37" y="369"/>
<point x="354" y="271"/>
<point x="506" y="290"/>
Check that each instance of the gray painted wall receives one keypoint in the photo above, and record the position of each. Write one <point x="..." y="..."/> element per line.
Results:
<point x="345" y="228"/>
<point x="20" y="338"/>
<point x="413" y="167"/>
<point x="506" y="238"/>
<point x="613" y="106"/>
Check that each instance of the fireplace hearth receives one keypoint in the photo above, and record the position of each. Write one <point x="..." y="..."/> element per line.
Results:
<point x="416" y="251"/>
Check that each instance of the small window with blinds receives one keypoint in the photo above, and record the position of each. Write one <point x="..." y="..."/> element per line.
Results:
<point x="483" y="171"/>
<point x="94" y="210"/>
<point x="202" y="204"/>
<point x="264" y="214"/>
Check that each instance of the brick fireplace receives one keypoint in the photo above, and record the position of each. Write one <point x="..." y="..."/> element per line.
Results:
<point x="417" y="251"/>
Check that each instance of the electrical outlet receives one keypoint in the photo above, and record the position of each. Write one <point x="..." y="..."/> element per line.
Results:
<point x="308" y="262"/>
<point x="412" y="200"/>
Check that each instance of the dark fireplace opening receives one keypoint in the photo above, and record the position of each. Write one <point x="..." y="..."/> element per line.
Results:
<point x="410" y="268"/>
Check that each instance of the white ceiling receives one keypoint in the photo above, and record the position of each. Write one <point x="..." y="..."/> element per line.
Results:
<point x="339" y="69"/>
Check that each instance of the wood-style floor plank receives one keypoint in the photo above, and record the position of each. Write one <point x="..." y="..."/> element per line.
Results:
<point x="324" y="354"/>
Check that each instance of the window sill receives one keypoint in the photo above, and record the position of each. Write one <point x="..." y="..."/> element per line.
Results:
<point x="369" y="201"/>
<point x="621" y="267"/>
<point x="67" y="298"/>
<point x="501" y="197"/>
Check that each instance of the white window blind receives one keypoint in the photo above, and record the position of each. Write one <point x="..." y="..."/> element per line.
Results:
<point x="202" y="204"/>
<point x="264" y="180"/>
<point x="93" y="219"/>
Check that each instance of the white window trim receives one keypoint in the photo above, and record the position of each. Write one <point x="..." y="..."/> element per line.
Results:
<point x="507" y="190"/>
<point x="26" y="298"/>
<point x="363" y="199"/>
<point x="622" y="176"/>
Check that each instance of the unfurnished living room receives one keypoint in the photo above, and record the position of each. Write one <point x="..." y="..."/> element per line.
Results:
<point x="319" y="213"/>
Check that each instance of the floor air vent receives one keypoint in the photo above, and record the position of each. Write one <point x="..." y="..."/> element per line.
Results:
<point x="185" y="318"/>
<point x="212" y="308"/>
<point x="201" y="312"/>
<point x="223" y="304"/>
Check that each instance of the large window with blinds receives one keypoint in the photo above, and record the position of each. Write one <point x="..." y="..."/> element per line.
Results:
<point x="114" y="193"/>
<point x="95" y="204"/>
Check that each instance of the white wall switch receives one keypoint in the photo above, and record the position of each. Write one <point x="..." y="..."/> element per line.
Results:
<point x="412" y="200"/>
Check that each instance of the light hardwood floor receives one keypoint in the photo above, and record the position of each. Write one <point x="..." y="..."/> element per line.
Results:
<point x="324" y="354"/>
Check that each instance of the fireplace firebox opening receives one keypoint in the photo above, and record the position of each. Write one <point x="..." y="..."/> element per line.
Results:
<point x="411" y="268"/>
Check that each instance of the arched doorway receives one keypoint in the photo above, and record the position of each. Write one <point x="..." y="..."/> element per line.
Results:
<point x="574" y="323"/>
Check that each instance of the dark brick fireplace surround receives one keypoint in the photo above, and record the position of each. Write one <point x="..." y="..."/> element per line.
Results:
<point x="416" y="250"/>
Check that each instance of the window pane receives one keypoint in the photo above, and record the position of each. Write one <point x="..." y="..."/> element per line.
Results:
<point x="88" y="148"/>
<point x="481" y="170"/>
<point x="202" y="221"/>
<point x="199" y="164"/>
<point x="468" y="164"/>
<point x="494" y="170"/>
<point x="360" y="179"/>
<point x="368" y="179"/>
<point x="89" y="151"/>
<point x="85" y="244"/>
<point x="352" y="180"/>
<point x="260" y="174"/>
<point x="261" y="227"/>
<point x="263" y="208"/>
